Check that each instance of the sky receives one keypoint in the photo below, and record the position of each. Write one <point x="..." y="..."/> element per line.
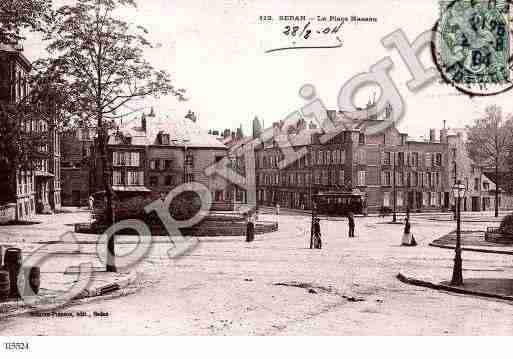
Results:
<point x="216" y="50"/>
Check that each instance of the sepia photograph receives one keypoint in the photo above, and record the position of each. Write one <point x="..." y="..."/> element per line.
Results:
<point x="255" y="168"/>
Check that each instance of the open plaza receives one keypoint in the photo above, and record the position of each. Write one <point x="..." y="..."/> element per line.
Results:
<point x="276" y="285"/>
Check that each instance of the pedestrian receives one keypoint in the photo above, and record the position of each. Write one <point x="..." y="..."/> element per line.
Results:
<point x="317" y="233"/>
<point x="250" y="228"/>
<point x="91" y="203"/>
<point x="350" y="219"/>
<point x="277" y="209"/>
<point x="408" y="238"/>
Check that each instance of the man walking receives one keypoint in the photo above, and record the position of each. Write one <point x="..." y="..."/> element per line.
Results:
<point x="250" y="228"/>
<point x="350" y="218"/>
<point x="317" y="233"/>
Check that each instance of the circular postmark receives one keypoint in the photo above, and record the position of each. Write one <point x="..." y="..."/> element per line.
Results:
<point x="472" y="46"/>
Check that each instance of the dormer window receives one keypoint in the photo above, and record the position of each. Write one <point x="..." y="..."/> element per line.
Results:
<point x="163" y="138"/>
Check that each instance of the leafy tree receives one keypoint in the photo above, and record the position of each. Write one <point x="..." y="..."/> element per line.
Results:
<point x="102" y="61"/>
<point x="16" y="15"/>
<point x="488" y="142"/>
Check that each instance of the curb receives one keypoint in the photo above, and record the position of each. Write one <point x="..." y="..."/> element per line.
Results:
<point x="492" y="251"/>
<point x="109" y="287"/>
<point x="448" y="288"/>
<point x="105" y="290"/>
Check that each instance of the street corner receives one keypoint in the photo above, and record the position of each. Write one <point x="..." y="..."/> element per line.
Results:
<point x="486" y="287"/>
<point x="473" y="241"/>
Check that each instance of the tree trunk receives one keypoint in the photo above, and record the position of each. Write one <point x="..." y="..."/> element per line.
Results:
<point x="109" y="208"/>
<point x="497" y="189"/>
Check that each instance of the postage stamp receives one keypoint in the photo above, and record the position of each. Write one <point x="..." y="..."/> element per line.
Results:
<point x="473" y="45"/>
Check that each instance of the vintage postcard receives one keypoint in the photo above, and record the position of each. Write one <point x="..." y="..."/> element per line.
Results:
<point x="255" y="168"/>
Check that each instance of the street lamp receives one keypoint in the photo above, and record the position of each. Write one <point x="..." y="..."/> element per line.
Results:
<point x="457" y="274"/>
<point x="394" y="189"/>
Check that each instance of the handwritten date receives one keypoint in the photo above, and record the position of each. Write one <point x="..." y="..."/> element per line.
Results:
<point x="306" y="31"/>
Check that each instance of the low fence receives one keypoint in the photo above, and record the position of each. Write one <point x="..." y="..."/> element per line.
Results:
<point x="496" y="235"/>
<point x="210" y="227"/>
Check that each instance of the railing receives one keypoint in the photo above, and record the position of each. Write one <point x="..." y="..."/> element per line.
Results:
<point x="495" y="234"/>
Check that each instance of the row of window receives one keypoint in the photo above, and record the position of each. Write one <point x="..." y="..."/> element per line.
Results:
<point x="41" y="165"/>
<point x="161" y="165"/>
<point x="133" y="159"/>
<point x="428" y="199"/>
<point x="25" y="183"/>
<point x="321" y="177"/>
<point x="321" y="157"/>
<point x="412" y="159"/>
<point x="34" y="126"/>
<point x="128" y="178"/>
<point x="411" y="179"/>
<point x="338" y="156"/>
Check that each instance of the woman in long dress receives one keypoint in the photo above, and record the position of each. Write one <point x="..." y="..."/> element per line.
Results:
<point x="408" y="239"/>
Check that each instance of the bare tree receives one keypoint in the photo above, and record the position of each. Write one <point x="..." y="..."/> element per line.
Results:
<point x="102" y="61"/>
<point x="488" y="142"/>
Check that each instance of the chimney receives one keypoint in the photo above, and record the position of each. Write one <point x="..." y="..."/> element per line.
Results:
<point x="404" y="138"/>
<point x="191" y="116"/>
<point x="143" y="122"/>
<point x="432" y="135"/>
<point x="443" y="136"/>
<point x="388" y="111"/>
<point x="301" y="125"/>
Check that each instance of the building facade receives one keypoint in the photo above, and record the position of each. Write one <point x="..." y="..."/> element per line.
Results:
<point x="479" y="183"/>
<point x="37" y="188"/>
<point x="76" y="150"/>
<point x="156" y="155"/>
<point x="387" y="167"/>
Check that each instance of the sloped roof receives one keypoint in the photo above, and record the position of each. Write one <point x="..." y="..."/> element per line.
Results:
<point x="182" y="132"/>
<point x="17" y="50"/>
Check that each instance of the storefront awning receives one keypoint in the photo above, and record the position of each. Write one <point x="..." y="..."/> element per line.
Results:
<point x="130" y="189"/>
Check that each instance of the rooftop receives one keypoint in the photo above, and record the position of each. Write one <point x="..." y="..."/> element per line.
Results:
<point x="182" y="132"/>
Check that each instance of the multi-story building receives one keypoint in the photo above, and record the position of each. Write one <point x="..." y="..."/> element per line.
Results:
<point x="76" y="151"/>
<point x="386" y="166"/>
<point x="37" y="188"/>
<point x="153" y="154"/>
<point x="478" y="181"/>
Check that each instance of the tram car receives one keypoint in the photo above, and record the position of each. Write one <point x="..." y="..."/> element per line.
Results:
<point x="340" y="203"/>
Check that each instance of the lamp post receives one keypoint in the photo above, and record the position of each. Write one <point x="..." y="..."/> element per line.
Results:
<point x="394" y="189"/>
<point x="457" y="273"/>
<point x="408" y="204"/>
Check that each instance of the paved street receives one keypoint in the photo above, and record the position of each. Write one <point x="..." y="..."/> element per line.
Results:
<point x="228" y="287"/>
